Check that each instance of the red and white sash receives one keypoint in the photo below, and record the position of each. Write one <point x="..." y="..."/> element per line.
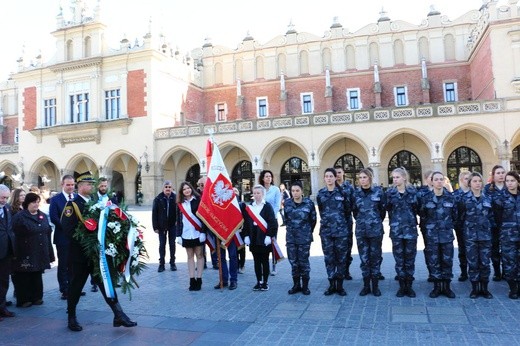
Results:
<point x="257" y="218"/>
<point x="191" y="218"/>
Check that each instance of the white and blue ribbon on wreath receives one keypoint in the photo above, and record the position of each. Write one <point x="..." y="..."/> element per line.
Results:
<point x="103" y="264"/>
<point x="130" y="239"/>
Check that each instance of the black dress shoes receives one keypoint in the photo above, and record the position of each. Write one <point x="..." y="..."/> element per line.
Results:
<point x="74" y="324"/>
<point x="232" y="285"/>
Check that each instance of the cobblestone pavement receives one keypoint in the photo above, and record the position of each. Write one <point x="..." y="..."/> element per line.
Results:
<point x="168" y="314"/>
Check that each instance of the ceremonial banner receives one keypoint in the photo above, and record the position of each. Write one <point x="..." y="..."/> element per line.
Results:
<point x="219" y="208"/>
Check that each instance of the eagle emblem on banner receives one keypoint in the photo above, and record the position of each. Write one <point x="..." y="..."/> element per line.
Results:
<point x="222" y="192"/>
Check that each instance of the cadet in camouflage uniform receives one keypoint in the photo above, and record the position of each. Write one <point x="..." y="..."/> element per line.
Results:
<point x="403" y="207"/>
<point x="300" y="220"/>
<point x="439" y="212"/>
<point x="349" y="189"/>
<point x="422" y="191"/>
<point x="476" y="214"/>
<point x="508" y="219"/>
<point x="369" y="209"/>
<point x="459" y="232"/>
<point x="495" y="189"/>
<point x="334" y="207"/>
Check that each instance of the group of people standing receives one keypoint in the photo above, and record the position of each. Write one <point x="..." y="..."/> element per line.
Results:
<point x="486" y="219"/>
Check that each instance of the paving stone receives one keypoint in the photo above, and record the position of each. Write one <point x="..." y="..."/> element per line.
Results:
<point x="403" y="318"/>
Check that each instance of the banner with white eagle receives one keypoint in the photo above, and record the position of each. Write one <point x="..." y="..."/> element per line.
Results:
<point x="219" y="208"/>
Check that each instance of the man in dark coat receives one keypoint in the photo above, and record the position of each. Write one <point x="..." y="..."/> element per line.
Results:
<point x="6" y="249"/>
<point x="61" y="241"/>
<point x="80" y="267"/>
<point x="163" y="222"/>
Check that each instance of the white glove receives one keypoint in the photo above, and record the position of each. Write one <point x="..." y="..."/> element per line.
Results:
<point x="202" y="237"/>
<point x="178" y="240"/>
<point x="267" y="241"/>
<point x="247" y="241"/>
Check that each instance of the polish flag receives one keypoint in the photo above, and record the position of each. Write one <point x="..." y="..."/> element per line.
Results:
<point x="219" y="208"/>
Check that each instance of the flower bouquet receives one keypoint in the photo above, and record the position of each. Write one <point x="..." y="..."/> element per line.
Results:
<point x="113" y="240"/>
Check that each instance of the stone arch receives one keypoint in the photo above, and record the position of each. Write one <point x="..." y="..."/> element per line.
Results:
<point x="350" y="57"/>
<point x="176" y="162"/>
<point x="399" y="58"/>
<point x="274" y="146"/>
<point x="304" y="62"/>
<point x="373" y="53"/>
<point x="449" y="47"/>
<point x="218" y="73"/>
<point x="404" y="140"/>
<point x="124" y="173"/>
<point x="259" y="67"/>
<point x="477" y="138"/>
<point x="340" y="144"/>
<point x="326" y="57"/>
<point x="7" y="170"/>
<point x="81" y="163"/>
<point x="424" y="48"/>
<point x="87" y="47"/>
<point x="44" y="172"/>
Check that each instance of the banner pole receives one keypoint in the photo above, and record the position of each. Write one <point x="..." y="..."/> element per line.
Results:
<point x="219" y="264"/>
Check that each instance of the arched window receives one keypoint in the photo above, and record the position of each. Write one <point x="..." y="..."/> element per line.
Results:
<point x="304" y="62"/>
<point x="259" y="67"/>
<point x="193" y="175"/>
<point x="410" y="162"/>
<point x="373" y="51"/>
<point x="295" y="169"/>
<point x="515" y="160"/>
<point x="449" y="47"/>
<point x="327" y="59"/>
<point x="218" y="73"/>
<point x="398" y="52"/>
<point x="424" y="49"/>
<point x="87" y="47"/>
<point x="243" y="179"/>
<point x="69" y="50"/>
<point x="351" y="165"/>
<point x="460" y="160"/>
<point x="282" y="65"/>
<point x="350" y="54"/>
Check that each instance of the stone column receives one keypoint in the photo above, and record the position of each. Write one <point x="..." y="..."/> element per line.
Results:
<point x="505" y="155"/>
<point x="438" y="165"/>
<point x="377" y="94"/>
<point x="240" y="104"/>
<point x="315" y="182"/>
<point x="375" y="167"/>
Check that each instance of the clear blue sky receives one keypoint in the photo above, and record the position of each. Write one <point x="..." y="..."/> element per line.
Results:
<point x="186" y="23"/>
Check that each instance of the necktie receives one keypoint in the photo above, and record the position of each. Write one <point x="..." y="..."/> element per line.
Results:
<point x="2" y="212"/>
<point x="70" y="196"/>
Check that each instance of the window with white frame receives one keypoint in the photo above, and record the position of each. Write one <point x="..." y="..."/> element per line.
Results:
<point x="112" y="104"/>
<point x="401" y="96"/>
<point x="16" y="135"/>
<point x="307" y="103"/>
<point x="49" y="112"/>
<point x="220" y="112"/>
<point x="354" y="99"/>
<point x="79" y="108"/>
<point x="262" y="107"/>
<point x="450" y="92"/>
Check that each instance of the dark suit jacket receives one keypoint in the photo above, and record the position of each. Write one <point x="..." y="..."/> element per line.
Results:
<point x="69" y="222"/>
<point x="7" y="244"/>
<point x="58" y="202"/>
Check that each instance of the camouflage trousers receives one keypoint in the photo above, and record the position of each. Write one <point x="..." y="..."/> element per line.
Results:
<point x="370" y="255"/>
<point x="404" y="251"/>
<point x="463" y="260"/>
<point x="335" y="255"/>
<point x="511" y="259"/>
<point x="426" y="252"/>
<point x="298" y="255"/>
<point x="496" y="253"/>
<point x="440" y="260"/>
<point x="478" y="254"/>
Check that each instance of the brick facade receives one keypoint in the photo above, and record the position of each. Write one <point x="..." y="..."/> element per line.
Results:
<point x="136" y="86"/>
<point x="482" y="73"/>
<point x="29" y="108"/>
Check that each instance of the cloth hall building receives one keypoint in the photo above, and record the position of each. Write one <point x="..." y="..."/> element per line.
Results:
<point x="443" y="95"/>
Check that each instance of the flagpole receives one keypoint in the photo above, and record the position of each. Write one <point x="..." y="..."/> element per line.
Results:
<point x="219" y="264"/>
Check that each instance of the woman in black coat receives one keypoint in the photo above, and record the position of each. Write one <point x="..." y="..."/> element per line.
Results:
<point x="33" y="252"/>
<point x="259" y="226"/>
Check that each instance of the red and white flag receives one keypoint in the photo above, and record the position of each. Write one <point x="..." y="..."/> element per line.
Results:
<point x="219" y="208"/>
